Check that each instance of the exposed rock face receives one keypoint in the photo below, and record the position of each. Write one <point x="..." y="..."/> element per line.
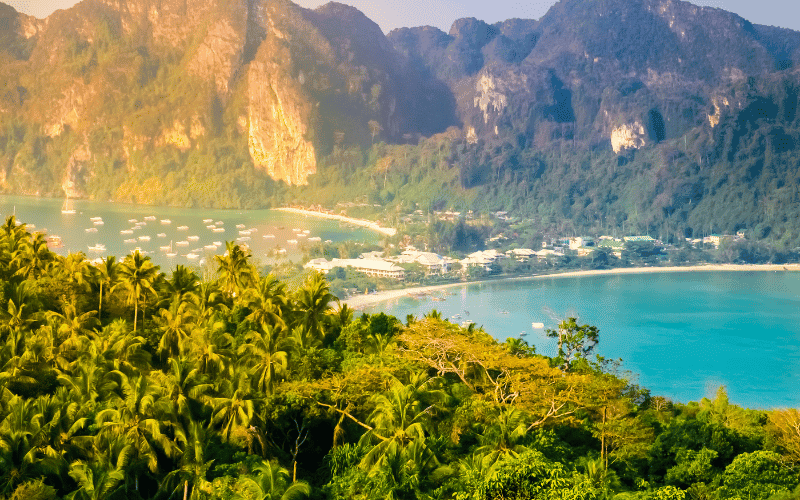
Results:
<point x="627" y="136"/>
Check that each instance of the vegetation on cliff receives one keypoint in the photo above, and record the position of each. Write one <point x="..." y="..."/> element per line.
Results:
<point x="119" y="381"/>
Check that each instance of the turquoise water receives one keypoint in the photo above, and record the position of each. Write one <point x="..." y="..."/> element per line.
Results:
<point x="684" y="334"/>
<point x="45" y="215"/>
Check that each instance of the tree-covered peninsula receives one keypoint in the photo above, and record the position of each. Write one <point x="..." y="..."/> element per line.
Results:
<point x="120" y="381"/>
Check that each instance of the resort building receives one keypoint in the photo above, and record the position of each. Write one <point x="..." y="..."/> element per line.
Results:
<point x="371" y="267"/>
<point x="432" y="263"/>
<point x="521" y="254"/>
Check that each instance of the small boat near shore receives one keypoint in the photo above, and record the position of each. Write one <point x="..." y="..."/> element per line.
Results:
<point x="537" y="325"/>
<point x="183" y="228"/>
<point x="218" y="230"/>
<point x="91" y="229"/>
<point x="166" y="221"/>
<point x="207" y="221"/>
<point x="126" y="231"/>
<point x="150" y="217"/>
<point x="193" y="238"/>
<point x="144" y="238"/>
<point x="132" y="240"/>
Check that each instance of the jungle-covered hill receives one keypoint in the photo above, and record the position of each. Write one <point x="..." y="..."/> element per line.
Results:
<point x="674" y="119"/>
<point x="121" y="381"/>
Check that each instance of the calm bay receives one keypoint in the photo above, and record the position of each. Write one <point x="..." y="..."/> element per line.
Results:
<point x="263" y="231"/>
<point x="683" y="334"/>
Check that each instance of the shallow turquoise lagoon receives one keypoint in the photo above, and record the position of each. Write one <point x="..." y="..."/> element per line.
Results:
<point x="684" y="334"/>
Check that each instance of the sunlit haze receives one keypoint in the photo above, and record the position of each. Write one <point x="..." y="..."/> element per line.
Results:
<point x="441" y="13"/>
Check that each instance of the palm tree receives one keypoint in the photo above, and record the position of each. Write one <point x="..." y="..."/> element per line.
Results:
<point x="75" y="329"/>
<point x="121" y="349"/>
<point x="134" y="418"/>
<point x="400" y="418"/>
<point x="138" y="275"/>
<point x="193" y="467"/>
<point x="32" y="258"/>
<point x="107" y="275"/>
<point x="96" y="480"/>
<point x="261" y="355"/>
<point x="234" y="269"/>
<point x="75" y="270"/>
<point x="267" y="300"/>
<point x="503" y="438"/>
<point x="182" y="286"/>
<point x="235" y="409"/>
<point x="313" y="302"/>
<point x="271" y="482"/>
<point x="177" y="323"/>
<point x="182" y="385"/>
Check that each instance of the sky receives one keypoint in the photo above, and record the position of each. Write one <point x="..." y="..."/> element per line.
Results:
<point x="391" y="14"/>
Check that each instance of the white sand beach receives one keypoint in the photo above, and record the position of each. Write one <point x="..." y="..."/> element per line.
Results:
<point x="388" y="231"/>
<point x="361" y="301"/>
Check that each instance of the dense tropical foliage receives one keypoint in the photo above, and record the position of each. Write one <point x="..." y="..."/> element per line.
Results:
<point x="120" y="381"/>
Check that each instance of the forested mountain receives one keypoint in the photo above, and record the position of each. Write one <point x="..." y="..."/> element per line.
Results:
<point x="673" y="118"/>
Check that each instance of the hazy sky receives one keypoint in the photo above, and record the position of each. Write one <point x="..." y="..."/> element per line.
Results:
<point x="390" y="14"/>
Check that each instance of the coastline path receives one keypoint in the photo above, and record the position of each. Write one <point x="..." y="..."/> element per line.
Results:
<point x="388" y="231"/>
<point x="359" y="302"/>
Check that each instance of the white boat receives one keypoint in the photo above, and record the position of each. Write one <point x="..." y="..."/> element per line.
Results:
<point x="126" y="231"/>
<point x="98" y="223"/>
<point x="210" y="247"/>
<point x="68" y="209"/>
<point x="211" y="226"/>
<point x="192" y="256"/>
<point x="171" y="254"/>
<point x="166" y="221"/>
<point x="218" y="243"/>
<point x="315" y="238"/>
<point x="132" y="240"/>
<point x="296" y="230"/>
<point x="269" y="236"/>
<point x="292" y="242"/>
<point x="193" y="238"/>
<point x="166" y="248"/>
<point x="218" y="230"/>
<point x="537" y="325"/>
<point x="91" y="229"/>
<point x="306" y="231"/>
<point x="141" y="223"/>
<point x="244" y="233"/>
<point x="162" y="235"/>
<point x="93" y="219"/>
<point x="301" y="235"/>
<point x="150" y="217"/>
<point x="183" y="228"/>
<point x="144" y="238"/>
<point x="182" y="244"/>
<point x="132" y="221"/>
<point x="239" y="226"/>
<point x="253" y="230"/>
<point x="243" y="238"/>
<point x="207" y="221"/>
<point x="97" y="248"/>
<point x="136" y="228"/>
<point x="328" y="241"/>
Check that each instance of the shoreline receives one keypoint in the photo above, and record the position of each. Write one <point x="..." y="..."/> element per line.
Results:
<point x="359" y="302"/>
<point x="368" y="224"/>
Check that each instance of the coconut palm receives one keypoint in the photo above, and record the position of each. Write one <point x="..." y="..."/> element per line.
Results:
<point x="121" y="349"/>
<point x="32" y="257"/>
<point x="75" y="270"/>
<point x="270" y="481"/>
<point x="267" y="301"/>
<point x="181" y="386"/>
<point x="138" y="275"/>
<point x="134" y="417"/>
<point x="400" y="418"/>
<point x="193" y="468"/>
<point x="503" y="438"/>
<point x="263" y="358"/>
<point x="176" y="323"/>
<point x="107" y="276"/>
<point x="235" y="409"/>
<point x="96" y="480"/>
<point x="234" y="269"/>
<point x="74" y="330"/>
<point x="182" y="286"/>
<point x="314" y="300"/>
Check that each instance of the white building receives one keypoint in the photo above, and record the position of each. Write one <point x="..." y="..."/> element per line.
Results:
<point x="433" y="263"/>
<point x="371" y="267"/>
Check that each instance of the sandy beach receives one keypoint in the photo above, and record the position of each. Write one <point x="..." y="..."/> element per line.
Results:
<point x="362" y="301"/>
<point x="388" y="231"/>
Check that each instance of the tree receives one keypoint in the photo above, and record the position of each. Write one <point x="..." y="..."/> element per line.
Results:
<point x="107" y="272"/>
<point x="574" y="342"/>
<point x="313" y="301"/>
<point x="234" y="269"/>
<point x="270" y="481"/>
<point x="264" y="360"/>
<point x="138" y="275"/>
